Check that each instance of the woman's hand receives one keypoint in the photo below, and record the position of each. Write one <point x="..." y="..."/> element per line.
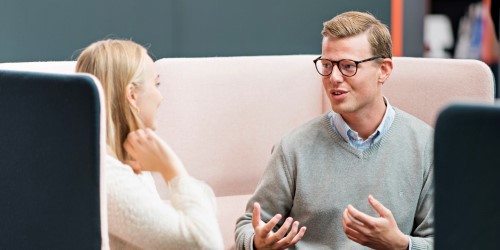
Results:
<point x="153" y="154"/>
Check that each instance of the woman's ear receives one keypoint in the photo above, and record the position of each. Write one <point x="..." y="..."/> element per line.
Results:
<point x="131" y="94"/>
<point x="385" y="70"/>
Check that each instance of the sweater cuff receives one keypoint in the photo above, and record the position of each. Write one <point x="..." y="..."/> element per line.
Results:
<point x="418" y="243"/>
<point x="249" y="243"/>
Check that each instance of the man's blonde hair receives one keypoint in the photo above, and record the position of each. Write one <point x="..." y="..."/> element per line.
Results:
<point x="353" y="23"/>
<point x="116" y="63"/>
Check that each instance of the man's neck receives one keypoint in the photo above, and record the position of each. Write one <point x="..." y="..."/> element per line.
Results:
<point x="366" y="121"/>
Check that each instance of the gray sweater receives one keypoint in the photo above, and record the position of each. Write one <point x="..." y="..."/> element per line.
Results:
<point x="314" y="174"/>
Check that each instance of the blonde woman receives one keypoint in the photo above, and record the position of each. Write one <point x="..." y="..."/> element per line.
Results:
<point x="137" y="217"/>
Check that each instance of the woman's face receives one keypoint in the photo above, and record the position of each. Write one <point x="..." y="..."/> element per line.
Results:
<point x="148" y="95"/>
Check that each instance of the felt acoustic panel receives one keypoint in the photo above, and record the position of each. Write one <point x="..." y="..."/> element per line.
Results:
<point x="467" y="177"/>
<point x="49" y="161"/>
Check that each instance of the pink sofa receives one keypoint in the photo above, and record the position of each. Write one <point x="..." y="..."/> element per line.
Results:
<point x="223" y="115"/>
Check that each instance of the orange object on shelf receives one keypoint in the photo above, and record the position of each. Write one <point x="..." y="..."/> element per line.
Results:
<point x="397" y="27"/>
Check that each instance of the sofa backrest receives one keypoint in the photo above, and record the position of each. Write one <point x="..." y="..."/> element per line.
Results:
<point x="223" y="115"/>
<point x="424" y="86"/>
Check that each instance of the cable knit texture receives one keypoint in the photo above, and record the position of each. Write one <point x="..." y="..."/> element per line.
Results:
<point x="139" y="219"/>
<point x="314" y="174"/>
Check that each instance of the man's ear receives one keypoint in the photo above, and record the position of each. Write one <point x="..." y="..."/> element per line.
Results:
<point x="385" y="70"/>
<point x="131" y="94"/>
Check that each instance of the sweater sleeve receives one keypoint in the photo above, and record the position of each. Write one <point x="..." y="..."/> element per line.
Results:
<point x="275" y="195"/>
<point x="139" y="217"/>
<point x="422" y="236"/>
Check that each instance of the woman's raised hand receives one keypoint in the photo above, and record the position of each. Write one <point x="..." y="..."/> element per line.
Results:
<point x="153" y="154"/>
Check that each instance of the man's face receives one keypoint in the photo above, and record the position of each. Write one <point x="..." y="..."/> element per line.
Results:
<point x="360" y="94"/>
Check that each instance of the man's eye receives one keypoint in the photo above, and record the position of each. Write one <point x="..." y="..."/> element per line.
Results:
<point x="348" y="66"/>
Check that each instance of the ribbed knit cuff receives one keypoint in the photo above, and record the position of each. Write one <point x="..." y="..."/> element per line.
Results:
<point x="418" y="243"/>
<point x="249" y="242"/>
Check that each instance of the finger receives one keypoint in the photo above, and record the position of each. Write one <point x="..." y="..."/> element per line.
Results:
<point x="133" y="138"/>
<point x="268" y="227"/>
<point x="150" y="135"/>
<point x="299" y="236"/>
<point x="287" y="240"/>
<point x="283" y="229"/>
<point x="354" y="239"/>
<point x="351" y="233"/>
<point x="256" y="215"/>
<point x="359" y="217"/>
<point x="141" y="134"/>
<point x="129" y="147"/>
<point x="349" y="223"/>
<point x="381" y="209"/>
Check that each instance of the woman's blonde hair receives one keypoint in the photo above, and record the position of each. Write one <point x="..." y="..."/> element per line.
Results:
<point x="116" y="63"/>
<point x="353" y="23"/>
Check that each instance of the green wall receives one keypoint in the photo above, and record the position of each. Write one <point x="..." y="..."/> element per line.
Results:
<point x="33" y="30"/>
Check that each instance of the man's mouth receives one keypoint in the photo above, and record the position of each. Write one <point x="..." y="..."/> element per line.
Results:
<point x="338" y="92"/>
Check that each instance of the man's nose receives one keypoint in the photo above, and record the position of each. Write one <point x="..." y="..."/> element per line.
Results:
<point x="336" y="75"/>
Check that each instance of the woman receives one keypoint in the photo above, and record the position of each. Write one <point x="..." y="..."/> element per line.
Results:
<point x="137" y="217"/>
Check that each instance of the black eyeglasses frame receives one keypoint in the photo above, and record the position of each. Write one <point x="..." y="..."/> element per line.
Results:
<point x="337" y="63"/>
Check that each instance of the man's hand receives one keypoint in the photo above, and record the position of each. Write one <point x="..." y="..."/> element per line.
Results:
<point x="265" y="238"/>
<point x="374" y="232"/>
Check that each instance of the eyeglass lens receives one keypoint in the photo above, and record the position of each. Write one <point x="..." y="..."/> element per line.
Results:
<point x="346" y="67"/>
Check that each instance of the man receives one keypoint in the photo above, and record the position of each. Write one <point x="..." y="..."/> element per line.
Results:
<point x="360" y="175"/>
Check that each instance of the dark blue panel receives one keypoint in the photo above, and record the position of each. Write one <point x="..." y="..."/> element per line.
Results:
<point x="49" y="161"/>
<point x="467" y="177"/>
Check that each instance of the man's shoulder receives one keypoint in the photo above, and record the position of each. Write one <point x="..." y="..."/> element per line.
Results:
<point x="412" y="129"/>
<point x="411" y="122"/>
<point x="308" y="130"/>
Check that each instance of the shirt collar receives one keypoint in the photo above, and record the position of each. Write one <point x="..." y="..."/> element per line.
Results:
<point x="349" y="135"/>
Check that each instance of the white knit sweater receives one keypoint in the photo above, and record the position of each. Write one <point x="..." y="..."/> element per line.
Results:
<point x="139" y="219"/>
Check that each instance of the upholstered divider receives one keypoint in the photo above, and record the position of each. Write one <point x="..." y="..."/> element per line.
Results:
<point x="467" y="173"/>
<point x="50" y="154"/>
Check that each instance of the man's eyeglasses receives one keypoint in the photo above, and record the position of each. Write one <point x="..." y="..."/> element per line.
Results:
<point x="346" y="66"/>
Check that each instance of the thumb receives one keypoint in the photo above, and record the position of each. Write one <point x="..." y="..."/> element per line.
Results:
<point x="256" y="214"/>
<point x="381" y="210"/>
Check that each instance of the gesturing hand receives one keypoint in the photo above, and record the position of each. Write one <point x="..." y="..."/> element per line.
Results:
<point x="153" y="154"/>
<point x="265" y="238"/>
<point x="374" y="232"/>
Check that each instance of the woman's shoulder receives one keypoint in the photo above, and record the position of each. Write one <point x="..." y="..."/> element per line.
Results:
<point x="111" y="161"/>
<point x="119" y="177"/>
